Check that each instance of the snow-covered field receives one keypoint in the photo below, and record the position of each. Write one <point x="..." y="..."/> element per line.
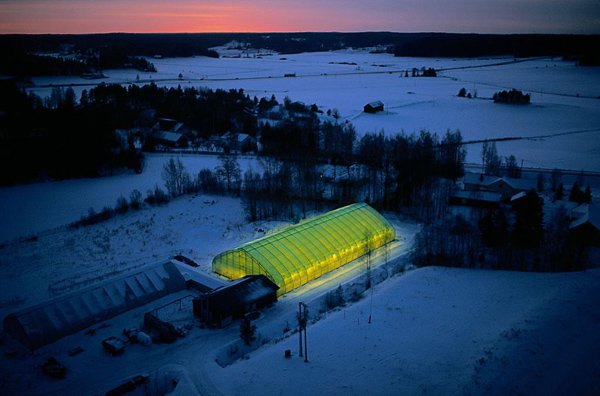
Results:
<point x="33" y="208"/>
<point x="565" y="98"/>
<point x="443" y="331"/>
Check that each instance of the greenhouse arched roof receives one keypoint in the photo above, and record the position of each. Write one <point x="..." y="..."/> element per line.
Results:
<point x="297" y="254"/>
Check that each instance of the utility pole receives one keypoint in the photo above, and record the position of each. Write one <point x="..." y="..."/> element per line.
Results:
<point x="369" y="277"/>
<point x="300" y="326"/>
<point x="305" y="321"/>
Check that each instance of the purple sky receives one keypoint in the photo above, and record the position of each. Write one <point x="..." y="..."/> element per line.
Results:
<point x="461" y="16"/>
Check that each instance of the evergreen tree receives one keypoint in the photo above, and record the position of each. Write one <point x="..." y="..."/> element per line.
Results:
<point x="559" y="193"/>
<point x="576" y="195"/>
<point x="529" y="216"/>
<point x="493" y="227"/>
<point x="512" y="167"/>
<point x="555" y="178"/>
<point x="541" y="182"/>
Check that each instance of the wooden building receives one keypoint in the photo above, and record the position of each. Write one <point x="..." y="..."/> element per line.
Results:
<point x="373" y="107"/>
<point x="250" y="293"/>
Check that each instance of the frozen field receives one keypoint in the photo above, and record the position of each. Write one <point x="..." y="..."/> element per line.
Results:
<point x="37" y="207"/>
<point x="565" y="98"/>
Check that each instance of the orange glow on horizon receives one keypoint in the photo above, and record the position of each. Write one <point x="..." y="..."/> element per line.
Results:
<point x="235" y="16"/>
<point x="30" y="16"/>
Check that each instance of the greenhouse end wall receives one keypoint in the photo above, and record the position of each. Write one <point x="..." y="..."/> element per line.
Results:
<point x="305" y="251"/>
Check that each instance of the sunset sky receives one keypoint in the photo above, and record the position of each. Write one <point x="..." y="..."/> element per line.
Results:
<point x="477" y="16"/>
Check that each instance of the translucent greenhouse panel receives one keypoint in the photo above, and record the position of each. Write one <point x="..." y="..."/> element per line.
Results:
<point x="300" y="253"/>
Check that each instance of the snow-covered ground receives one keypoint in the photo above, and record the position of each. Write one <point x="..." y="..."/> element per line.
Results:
<point x="442" y="331"/>
<point x="33" y="208"/>
<point x="62" y="261"/>
<point x="433" y="330"/>
<point x="564" y="97"/>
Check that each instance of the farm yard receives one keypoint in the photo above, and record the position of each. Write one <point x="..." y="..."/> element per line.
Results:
<point x="434" y="330"/>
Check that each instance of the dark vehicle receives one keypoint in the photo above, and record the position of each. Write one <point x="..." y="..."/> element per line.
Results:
<point x="54" y="368"/>
<point x="113" y="345"/>
<point x="128" y="386"/>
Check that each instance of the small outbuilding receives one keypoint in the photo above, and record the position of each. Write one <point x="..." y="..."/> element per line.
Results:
<point x="373" y="107"/>
<point x="250" y="293"/>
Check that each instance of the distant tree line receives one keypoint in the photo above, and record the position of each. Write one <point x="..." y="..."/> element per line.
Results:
<point x="518" y="45"/>
<point x="22" y="64"/>
<point x="401" y="44"/>
<point x="495" y="165"/>
<point x="513" y="96"/>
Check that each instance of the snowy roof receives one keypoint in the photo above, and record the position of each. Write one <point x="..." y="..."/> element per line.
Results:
<point x="487" y="180"/>
<point x="242" y="136"/>
<point x="177" y="127"/>
<point x="517" y="196"/>
<point x="47" y="322"/>
<point x="482" y="196"/>
<point x="480" y="179"/>
<point x="592" y="216"/>
<point x="245" y="290"/>
<point x="376" y="103"/>
<point x="170" y="136"/>
<point x="239" y="137"/>
<point x="191" y="274"/>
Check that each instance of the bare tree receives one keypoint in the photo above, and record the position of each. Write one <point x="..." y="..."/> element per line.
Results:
<point x="229" y="172"/>
<point x="177" y="179"/>
<point x="491" y="161"/>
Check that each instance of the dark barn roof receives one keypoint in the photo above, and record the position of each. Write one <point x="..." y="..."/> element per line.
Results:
<point x="243" y="291"/>
<point x="236" y="299"/>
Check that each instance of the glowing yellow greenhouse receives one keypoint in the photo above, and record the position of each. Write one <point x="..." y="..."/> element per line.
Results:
<point x="302" y="252"/>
